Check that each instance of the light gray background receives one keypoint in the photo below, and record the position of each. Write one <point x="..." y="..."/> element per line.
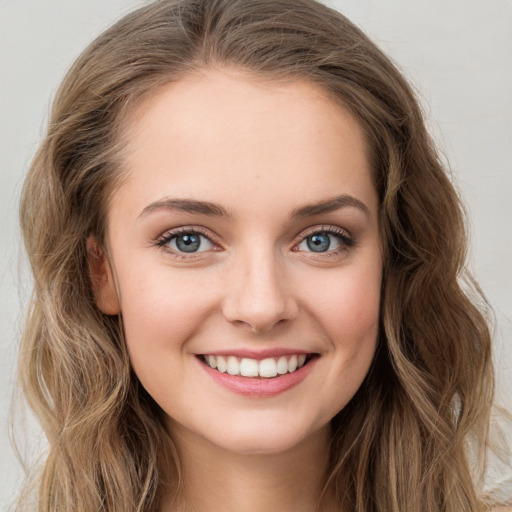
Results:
<point x="457" y="53"/>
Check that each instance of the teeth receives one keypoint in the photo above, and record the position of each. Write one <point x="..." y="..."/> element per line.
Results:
<point x="267" y="368"/>
<point x="233" y="366"/>
<point x="249" y="367"/>
<point x="222" y="366"/>
<point x="282" y="366"/>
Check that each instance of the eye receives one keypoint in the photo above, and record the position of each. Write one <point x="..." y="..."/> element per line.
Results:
<point x="319" y="242"/>
<point x="325" y="241"/>
<point x="186" y="242"/>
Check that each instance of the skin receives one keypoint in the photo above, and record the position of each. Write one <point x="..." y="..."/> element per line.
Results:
<point x="260" y="151"/>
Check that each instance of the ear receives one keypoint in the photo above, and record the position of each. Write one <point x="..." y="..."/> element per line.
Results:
<point x="102" y="280"/>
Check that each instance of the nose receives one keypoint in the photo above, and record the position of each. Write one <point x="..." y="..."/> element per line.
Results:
<point x="258" y="296"/>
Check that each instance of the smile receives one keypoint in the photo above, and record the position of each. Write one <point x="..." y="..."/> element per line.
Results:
<point x="267" y="368"/>
<point x="258" y="377"/>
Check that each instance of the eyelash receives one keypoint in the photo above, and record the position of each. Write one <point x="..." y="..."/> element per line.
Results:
<point x="169" y="236"/>
<point x="345" y="239"/>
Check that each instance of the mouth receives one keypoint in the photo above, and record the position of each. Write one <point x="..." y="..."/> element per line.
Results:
<point x="267" y="368"/>
<point x="258" y="375"/>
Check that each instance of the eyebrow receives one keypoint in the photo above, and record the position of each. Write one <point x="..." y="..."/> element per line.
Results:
<point x="330" y="205"/>
<point x="215" y="210"/>
<point x="187" y="206"/>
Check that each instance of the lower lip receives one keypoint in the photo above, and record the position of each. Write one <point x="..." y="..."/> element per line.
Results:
<point x="260" y="387"/>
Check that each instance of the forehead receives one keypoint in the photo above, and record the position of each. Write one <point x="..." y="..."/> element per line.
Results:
<point x="230" y="127"/>
<point x="238" y="97"/>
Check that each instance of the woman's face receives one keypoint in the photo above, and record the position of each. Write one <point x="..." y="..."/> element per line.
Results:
<point x="245" y="240"/>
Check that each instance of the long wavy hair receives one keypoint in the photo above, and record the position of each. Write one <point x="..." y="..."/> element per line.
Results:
<point x="402" y="443"/>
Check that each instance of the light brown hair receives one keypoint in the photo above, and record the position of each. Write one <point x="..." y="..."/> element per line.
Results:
<point x="401" y="444"/>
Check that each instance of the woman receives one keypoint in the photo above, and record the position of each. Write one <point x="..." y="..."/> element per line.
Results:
<point x="247" y="258"/>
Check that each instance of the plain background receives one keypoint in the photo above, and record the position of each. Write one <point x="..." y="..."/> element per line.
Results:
<point x="457" y="53"/>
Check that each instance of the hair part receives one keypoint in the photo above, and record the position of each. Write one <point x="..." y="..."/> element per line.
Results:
<point x="431" y="383"/>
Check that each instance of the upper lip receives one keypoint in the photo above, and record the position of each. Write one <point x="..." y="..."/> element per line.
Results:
<point x="258" y="354"/>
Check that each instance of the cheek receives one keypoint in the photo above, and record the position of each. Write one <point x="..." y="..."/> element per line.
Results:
<point x="348" y="312"/>
<point x="349" y="306"/>
<point x="161" y="311"/>
<point x="350" y="319"/>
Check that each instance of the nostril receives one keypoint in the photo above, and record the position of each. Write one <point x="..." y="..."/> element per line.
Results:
<point x="259" y="314"/>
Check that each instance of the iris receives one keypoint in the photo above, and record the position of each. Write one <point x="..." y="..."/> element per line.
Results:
<point x="319" y="242"/>
<point x="188" y="242"/>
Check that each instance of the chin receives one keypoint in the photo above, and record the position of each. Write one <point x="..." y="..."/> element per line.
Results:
<point x="268" y="439"/>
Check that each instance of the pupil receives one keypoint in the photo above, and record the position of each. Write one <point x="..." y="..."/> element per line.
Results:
<point x="319" y="242"/>
<point x="188" y="243"/>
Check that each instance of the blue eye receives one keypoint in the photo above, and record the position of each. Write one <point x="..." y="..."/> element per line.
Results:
<point x="319" y="243"/>
<point x="323" y="241"/>
<point x="186" y="242"/>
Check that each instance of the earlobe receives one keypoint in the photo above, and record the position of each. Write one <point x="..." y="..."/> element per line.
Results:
<point x="102" y="280"/>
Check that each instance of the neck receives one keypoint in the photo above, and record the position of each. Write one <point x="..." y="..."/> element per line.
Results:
<point x="217" y="480"/>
